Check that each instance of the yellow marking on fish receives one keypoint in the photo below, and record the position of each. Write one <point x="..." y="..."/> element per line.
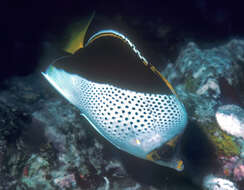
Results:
<point x="152" y="156"/>
<point x="138" y="142"/>
<point x="145" y="63"/>
<point x="173" y="141"/>
<point x="76" y="40"/>
<point x="164" y="79"/>
<point x="179" y="164"/>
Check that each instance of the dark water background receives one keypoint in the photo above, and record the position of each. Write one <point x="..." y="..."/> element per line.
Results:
<point x="30" y="22"/>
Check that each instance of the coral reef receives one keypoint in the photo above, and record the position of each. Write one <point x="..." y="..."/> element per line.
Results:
<point x="207" y="79"/>
<point x="66" y="181"/>
<point x="239" y="172"/>
<point x="233" y="167"/>
<point x="212" y="182"/>
<point x="225" y="144"/>
<point x="231" y="119"/>
<point x="198" y="75"/>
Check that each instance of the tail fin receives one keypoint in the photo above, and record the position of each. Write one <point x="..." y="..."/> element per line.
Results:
<point x="76" y="34"/>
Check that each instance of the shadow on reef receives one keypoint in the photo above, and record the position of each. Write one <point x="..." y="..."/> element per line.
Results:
<point x="198" y="156"/>
<point x="149" y="173"/>
<point x="146" y="172"/>
<point x="12" y="123"/>
<point x="198" y="153"/>
<point x="34" y="136"/>
<point x="230" y="94"/>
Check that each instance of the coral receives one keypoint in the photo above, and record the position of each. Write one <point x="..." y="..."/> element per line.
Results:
<point x="211" y="182"/>
<point x="239" y="172"/>
<point x="228" y="164"/>
<point x="13" y="121"/>
<point x="233" y="166"/>
<point x="107" y="183"/>
<point x="67" y="181"/>
<point x="224" y="144"/>
<point x="136" y="187"/>
<point x="205" y="79"/>
<point x="35" y="170"/>
<point x="197" y="72"/>
<point x="210" y="87"/>
<point x="241" y="143"/>
<point x="231" y="119"/>
<point x="191" y="84"/>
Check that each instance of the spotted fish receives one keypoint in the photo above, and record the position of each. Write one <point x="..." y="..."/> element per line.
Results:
<point x="124" y="97"/>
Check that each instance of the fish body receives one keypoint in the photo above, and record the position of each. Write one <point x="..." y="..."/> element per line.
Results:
<point x="122" y="97"/>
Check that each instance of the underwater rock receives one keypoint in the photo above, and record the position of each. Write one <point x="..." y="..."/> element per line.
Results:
<point x="241" y="142"/>
<point x="34" y="174"/>
<point x="117" y="168"/>
<point x="214" y="183"/>
<point x="239" y="172"/>
<point x="136" y="187"/>
<point x="210" y="86"/>
<point x="233" y="167"/>
<point x="66" y="181"/>
<point x="49" y="144"/>
<point x="206" y="79"/>
<point x="231" y="119"/>
<point x="13" y="121"/>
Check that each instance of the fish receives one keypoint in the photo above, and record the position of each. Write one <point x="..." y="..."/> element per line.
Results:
<point x="123" y="96"/>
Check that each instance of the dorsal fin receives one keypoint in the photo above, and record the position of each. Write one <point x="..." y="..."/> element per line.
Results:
<point x="109" y="57"/>
<point x="76" y="34"/>
<point x="115" y="34"/>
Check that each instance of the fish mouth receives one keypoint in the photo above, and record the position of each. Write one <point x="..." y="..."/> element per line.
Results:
<point x="168" y="155"/>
